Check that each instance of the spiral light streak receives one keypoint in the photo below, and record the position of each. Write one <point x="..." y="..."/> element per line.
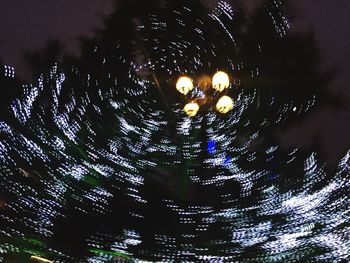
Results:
<point x="105" y="166"/>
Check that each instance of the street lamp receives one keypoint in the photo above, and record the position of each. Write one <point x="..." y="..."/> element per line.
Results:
<point x="211" y="88"/>
<point x="224" y="104"/>
<point x="220" y="81"/>
<point x="191" y="108"/>
<point x="184" y="85"/>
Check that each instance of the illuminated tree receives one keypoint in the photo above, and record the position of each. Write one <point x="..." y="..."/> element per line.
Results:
<point x="100" y="164"/>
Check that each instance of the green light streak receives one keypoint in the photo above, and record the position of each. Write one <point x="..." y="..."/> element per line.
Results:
<point x="36" y="242"/>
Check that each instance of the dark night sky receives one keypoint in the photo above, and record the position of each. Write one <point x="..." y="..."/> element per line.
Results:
<point x="27" y="24"/>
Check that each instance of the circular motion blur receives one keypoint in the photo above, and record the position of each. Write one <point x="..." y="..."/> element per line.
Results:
<point x="105" y="158"/>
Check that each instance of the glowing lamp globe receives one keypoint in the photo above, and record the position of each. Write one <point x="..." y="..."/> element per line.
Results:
<point x="184" y="85"/>
<point x="191" y="109"/>
<point x="220" y="81"/>
<point x="224" y="104"/>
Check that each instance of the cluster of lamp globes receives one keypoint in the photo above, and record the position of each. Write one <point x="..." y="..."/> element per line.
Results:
<point x="219" y="83"/>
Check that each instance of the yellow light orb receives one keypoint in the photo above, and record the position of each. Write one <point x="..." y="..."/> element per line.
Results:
<point x="224" y="104"/>
<point x="191" y="108"/>
<point x="220" y="81"/>
<point x="184" y="85"/>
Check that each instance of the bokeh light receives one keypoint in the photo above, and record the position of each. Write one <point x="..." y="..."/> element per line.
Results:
<point x="94" y="167"/>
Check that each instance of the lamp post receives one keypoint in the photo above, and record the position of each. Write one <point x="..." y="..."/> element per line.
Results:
<point x="204" y="93"/>
<point x="213" y="91"/>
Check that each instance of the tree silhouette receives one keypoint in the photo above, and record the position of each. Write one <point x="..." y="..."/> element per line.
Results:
<point x="40" y="60"/>
<point x="96" y="168"/>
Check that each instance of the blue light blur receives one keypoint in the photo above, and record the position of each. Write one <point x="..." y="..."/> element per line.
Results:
<point x="211" y="146"/>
